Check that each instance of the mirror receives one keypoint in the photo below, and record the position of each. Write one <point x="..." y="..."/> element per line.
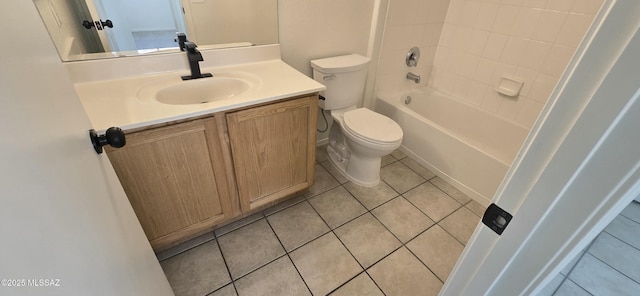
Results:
<point x="94" y="29"/>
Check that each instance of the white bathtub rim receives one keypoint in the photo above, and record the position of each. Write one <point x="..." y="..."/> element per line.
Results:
<point x="395" y="101"/>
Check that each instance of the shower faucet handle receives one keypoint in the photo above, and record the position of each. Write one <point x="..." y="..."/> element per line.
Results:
<point x="412" y="57"/>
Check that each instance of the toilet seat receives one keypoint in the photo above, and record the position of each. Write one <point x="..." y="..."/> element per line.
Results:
<point x="372" y="127"/>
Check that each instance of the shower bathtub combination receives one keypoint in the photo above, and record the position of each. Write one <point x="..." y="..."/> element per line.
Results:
<point x="464" y="145"/>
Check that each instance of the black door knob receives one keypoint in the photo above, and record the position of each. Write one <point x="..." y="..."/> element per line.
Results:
<point x="114" y="136"/>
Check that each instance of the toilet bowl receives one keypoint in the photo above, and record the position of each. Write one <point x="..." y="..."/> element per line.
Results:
<point x="368" y="136"/>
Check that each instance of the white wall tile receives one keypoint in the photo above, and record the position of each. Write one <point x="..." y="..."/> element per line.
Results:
<point x="482" y="40"/>
<point x="542" y="88"/>
<point x="586" y="6"/>
<point x="486" y="16"/>
<point x="505" y="19"/>
<point x="560" y="5"/>
<point x="535" y="55"/>
<point x="469" y="14"/>
<point x="514" y="50"/>
<point x="526" y="22"/>
<point x="549" y="25"/>
<point x="557" y="60"/>
<point x="477" y="42"/>
<point x="495" y="45"/>
<point x="535" y="3"/>
<point x="484" y="71"/>
<point x="574" y="29"/>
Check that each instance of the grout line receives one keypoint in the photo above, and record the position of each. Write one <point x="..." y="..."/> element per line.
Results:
<point x="287" y="253"/>
<point x="367" y="211"/>
<point x="227" y="266"/>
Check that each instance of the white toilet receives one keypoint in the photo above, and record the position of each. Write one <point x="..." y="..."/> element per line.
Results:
<point x="359" y="137"/>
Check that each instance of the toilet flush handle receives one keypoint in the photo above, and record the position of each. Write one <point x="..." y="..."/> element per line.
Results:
<point x="329" y="77"/>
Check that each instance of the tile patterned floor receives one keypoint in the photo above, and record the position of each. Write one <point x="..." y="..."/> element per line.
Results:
<point x="609" y="265"/>
<point x="401" y="237"/>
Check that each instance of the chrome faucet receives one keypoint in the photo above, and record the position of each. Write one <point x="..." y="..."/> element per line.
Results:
<point x="414" y="77"/>
<point x="194" y="57"/>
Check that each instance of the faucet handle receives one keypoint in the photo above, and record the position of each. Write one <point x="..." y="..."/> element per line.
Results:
<point x="181" y="38"/>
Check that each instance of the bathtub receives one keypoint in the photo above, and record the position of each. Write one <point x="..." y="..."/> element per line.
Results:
<point x="466" y="146"/>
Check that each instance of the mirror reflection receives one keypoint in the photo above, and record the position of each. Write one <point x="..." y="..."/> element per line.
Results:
<point x="90" y="29"/>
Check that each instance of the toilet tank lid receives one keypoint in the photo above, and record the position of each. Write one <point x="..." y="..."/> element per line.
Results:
<point x="340" y="64"/>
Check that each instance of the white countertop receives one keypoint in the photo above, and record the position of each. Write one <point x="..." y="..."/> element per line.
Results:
<point x="115" y="102"/>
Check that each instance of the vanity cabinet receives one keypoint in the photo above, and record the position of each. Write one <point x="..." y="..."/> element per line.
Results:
<point x="175" y="179"/>
<point x="273" y="149"/>
<point x="186" y="178"/>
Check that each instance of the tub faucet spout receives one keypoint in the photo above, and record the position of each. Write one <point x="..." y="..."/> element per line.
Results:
<point x="414" y="77"/>
<point x="194" y="57"/>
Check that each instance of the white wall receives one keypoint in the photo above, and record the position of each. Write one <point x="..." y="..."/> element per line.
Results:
<point x="531" y="40"/>
<point x="231" y="21"/>
<point x="315" y="29"/>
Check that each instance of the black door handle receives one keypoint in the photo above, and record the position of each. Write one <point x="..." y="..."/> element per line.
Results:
<point x="99" y="25"/>
<point x="114" y="136"/>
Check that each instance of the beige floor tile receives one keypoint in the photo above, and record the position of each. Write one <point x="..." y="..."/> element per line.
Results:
<point x="360" y="285"/>
<point x="297" y="225"/>
<point x="372" y="197"/>
<point x="416" y="167"/>
<point x="198" y="271"/>
<point x="387" y="160"/>
<point x="450" y="190"/>
<point x="278" y="278"/>
<point x="461" y="224"/>
<point x="323" y="182"/>
<point x="432" y="201"/>
<point x="476" y="208"/>
<point x="334" y="172"/>
<point x="337" y="206"/>
<point x="437" y="249"/>
<point x="398" y="154"/>
<point x="552" y="286"/>
<point x="325" y="264"/>
<point x="569" y="288"/>
<point x="402" y="274"/>
<point x="321" y="153"/>
<point x="249" y="247"/>
<point x="403" y="219"/>
<point x="367" y="239"/>
<point x="626" y="230"/>
<point x="607" y="281"/>
<point x="400" y="177"/>
<point x="617" y="254"/>
<point x="227" y="290"/>
<point x="632" y="211"/>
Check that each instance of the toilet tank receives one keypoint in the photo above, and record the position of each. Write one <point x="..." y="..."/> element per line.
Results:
<point x="344" y="76"/>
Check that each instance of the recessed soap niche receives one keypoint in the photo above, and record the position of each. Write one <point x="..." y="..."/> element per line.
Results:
<point x="509" y="86"/>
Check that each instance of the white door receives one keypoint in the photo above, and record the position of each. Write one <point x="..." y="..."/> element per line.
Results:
<point x="577" y="170"/>
<point x="66" y="226"/>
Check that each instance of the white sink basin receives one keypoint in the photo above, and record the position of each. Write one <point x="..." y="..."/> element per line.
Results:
<point x="175" y="91"/>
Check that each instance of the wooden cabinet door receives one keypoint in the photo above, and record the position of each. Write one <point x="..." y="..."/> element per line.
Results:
<point x="273" y="148"/>
<point x="175" y="179"/>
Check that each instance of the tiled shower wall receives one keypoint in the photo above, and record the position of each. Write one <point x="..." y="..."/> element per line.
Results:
<point x="530" y="40"/>
<point x="409" y="23"/>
